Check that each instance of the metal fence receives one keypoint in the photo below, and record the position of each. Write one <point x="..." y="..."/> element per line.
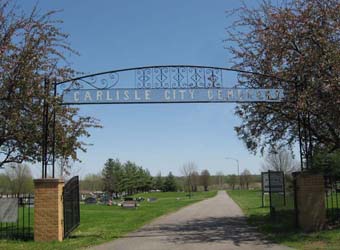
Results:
<point x="71" y="206"/>
<point x="332" y="190"/>
<point x="283" y="205"/>
<point x="16" y="216"/>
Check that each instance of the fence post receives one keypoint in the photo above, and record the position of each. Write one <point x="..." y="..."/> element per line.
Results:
<point x="48" y="210"/>
<point x="296" y="208"/>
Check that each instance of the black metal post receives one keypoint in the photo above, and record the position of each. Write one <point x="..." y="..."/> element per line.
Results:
<point x="262" y="189"/>
<point x="332" y="202"/>
<point x="310" y="148"/>
<point x="45" y="131"/>
<point x="23" y="216"/>
<point x="306" y="146"/>
<point x="53" y="132"/>
<point x="270" y="195"/>
<point x="300" y="141"/>
<point x="296" y="208"/>
<point x="336" y="199"/>
<point x="29" y="215"/>
<point x="284" y="189"/>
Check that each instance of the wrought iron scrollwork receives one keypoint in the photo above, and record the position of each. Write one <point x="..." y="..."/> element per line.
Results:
<point x="156" y="77"/>
<point x="178" y="77"/>
<point x="104" y="81"/>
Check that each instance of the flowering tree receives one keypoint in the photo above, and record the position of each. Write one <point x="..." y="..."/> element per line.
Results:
<point x="298" y="43"/>
<point x="32" y="51"/>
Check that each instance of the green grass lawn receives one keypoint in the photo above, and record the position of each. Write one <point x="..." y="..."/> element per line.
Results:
<point x="281" y="229"/>
<point x="100" y="223"/>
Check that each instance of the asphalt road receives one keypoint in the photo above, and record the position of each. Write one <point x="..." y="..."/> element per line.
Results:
<point x="213" y="224"/>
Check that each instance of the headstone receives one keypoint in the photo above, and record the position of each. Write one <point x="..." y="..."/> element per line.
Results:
<point x="129" y="204"/>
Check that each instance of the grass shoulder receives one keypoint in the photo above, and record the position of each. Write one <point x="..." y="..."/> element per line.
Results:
<point x="100" y="223"/>
<point x="281" y="229"/>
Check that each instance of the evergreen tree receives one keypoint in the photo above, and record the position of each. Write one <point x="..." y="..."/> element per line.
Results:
<point x="112" y="174"/>
<point x="158" y="182"/>
<point x="170" y="184"/>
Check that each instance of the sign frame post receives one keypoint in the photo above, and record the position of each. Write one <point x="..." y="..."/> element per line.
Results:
<point x="273" y="182"/>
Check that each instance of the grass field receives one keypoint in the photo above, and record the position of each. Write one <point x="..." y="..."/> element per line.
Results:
<point x="282" y="230"/>
<point x="101" y="223"/>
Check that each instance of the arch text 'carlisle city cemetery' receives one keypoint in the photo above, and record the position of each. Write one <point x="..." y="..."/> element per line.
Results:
<point x="162" y="84"/>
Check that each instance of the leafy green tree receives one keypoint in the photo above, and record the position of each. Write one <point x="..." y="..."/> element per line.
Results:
<point x="327" y="163"/>
<point x="299" y="43"/>
<point x="32" y="52"/>
<point x="170" y="184"/>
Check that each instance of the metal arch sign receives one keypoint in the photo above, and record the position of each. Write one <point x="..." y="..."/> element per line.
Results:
<point x="202" y="95"/>
<point x="162" y="84"/>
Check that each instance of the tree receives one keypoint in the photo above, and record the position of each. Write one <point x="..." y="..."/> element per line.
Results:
<point x="187" y="170"/>
<point x="92" y="182"/>
<point x="246" y="178"/>
<point x="112" y="175"/>
<point x="170" y="183"/>
<point x="4" y="184"/>
<point x="232" y="181"/>
<point x="126" y="178"/>
<point x="195" y="177"/>
<point x="145" y="180"/>
<point x="205" y="179"/>
<point x="158" y="182"/>
<point x="19" y="178"/>
<point x="298" y="44"/>
<point x="327" y="163"/>
<point x="280" y="160"/>
<point x="32" y="49"/>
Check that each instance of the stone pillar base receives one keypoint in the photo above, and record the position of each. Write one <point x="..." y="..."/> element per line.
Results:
<point x="48" y="210"/>
<point x="311" y="201"/>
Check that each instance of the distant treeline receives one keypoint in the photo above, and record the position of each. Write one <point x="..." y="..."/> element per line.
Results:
<point x="16" y="179"/>
<point x="127" y="178"/>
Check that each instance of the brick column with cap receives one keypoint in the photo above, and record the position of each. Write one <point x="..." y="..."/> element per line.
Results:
<point x="311" y="201"/>
<point x="48" y="210"/>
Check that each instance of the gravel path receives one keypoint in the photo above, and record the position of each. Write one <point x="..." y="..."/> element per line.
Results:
<point x="213" y="224"/>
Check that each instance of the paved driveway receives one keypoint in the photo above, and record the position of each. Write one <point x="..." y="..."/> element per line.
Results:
<point x="213" y="224"/>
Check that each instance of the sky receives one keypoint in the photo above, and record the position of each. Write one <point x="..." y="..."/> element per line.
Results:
<point x="160" y="137"/>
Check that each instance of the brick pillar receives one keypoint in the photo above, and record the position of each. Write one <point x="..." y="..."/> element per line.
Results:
<point x="48" y="210"/>
<point x="311" y="201"/>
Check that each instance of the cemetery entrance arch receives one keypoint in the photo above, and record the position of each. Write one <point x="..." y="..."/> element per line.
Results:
<point x="150" y="85"/>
